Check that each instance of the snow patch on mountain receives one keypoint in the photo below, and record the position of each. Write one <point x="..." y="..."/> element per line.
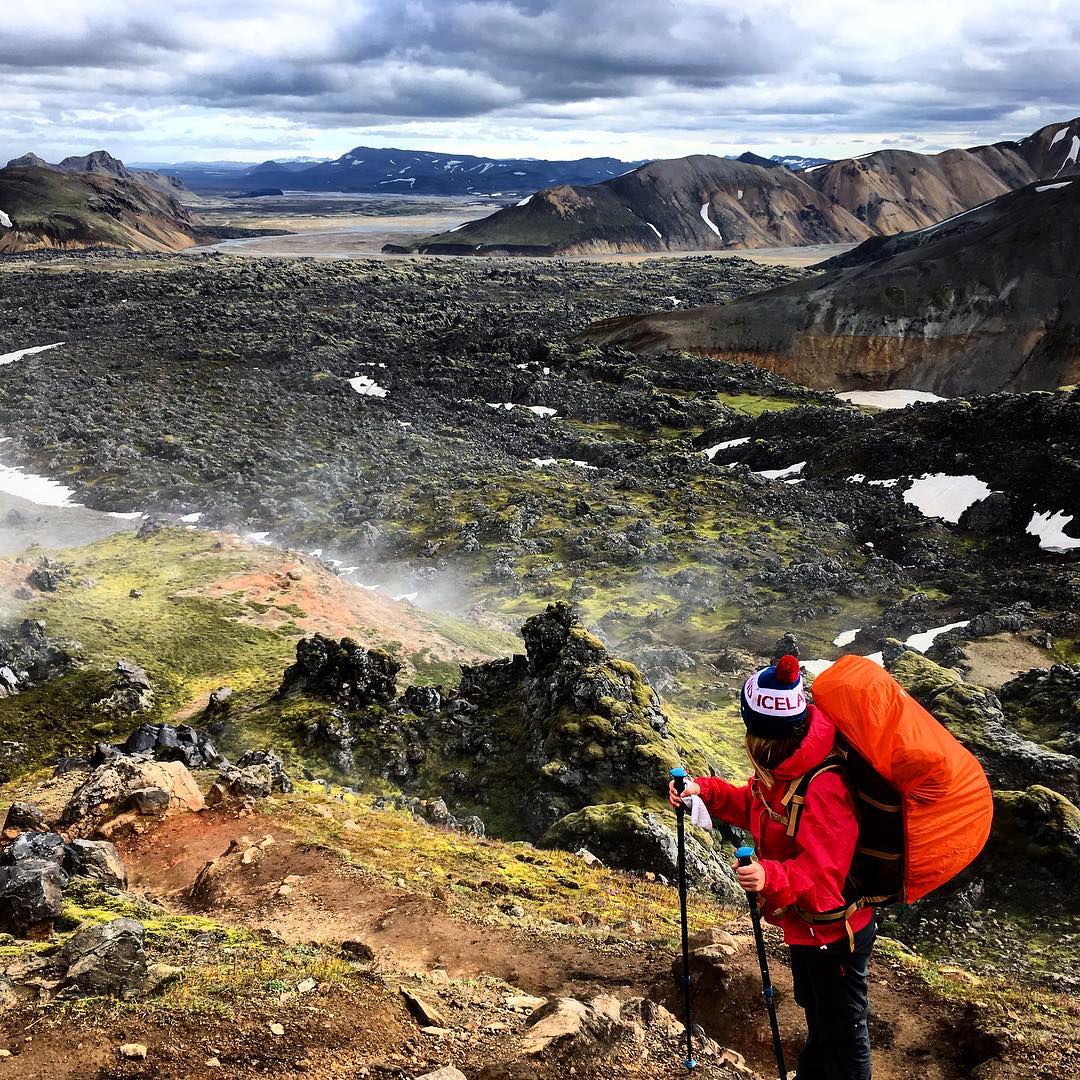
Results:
<point x="708" y="221"/>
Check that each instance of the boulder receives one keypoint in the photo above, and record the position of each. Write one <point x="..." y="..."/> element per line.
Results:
<point x="97" y="859"/>
<point x="106" y="958"/>
<point x="24" y="817"/>
<point x="342" y="672"/>
<point x="1033" y="855"/>
<point x="626" y="836"/>
<point x="150" y="788"/>
<point x="31" y="897"/>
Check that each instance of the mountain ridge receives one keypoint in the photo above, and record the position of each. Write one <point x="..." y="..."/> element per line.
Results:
<point x="848" y="200"/>
<point x="978" y="303"/>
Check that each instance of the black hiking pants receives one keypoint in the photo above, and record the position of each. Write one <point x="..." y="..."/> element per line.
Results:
<point x="830" y="985"/>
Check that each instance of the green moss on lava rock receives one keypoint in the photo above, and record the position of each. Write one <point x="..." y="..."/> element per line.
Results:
<point x="1037" y="830"/>
<point x="632" y="837"/>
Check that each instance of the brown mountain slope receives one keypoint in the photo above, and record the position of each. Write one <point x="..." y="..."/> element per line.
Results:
<point x="699" y="203"/>
<point x="704" y="203"/>
<point x="987" y="301"/>
<point x="896" y="190"/>
<point x="47" y="208"/>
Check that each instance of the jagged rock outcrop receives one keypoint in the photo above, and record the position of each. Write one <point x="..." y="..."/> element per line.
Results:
<point x="974" y="715"/>
<point x="342" y="672"/>
<point x="1046" y="701"/>
<point x="164" y="742"/>
<point x="257" y="774"/>
<point x="28" y="657"/>
<point x="131" y="691"/>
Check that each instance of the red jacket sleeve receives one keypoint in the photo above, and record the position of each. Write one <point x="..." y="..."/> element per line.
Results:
<point x="725" y="801"/>
<point x="813" y="878"/>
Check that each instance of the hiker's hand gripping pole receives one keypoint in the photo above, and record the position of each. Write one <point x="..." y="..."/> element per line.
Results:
<point x="678" y="780"/>
<point x="745" y="857"/>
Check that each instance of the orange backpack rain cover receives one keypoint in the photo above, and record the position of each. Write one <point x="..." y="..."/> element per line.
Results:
<point x="946" y="801"/>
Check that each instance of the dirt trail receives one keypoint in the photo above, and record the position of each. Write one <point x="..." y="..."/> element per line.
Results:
<point x="333" y="902"/>
<point x="915" y="1034"/>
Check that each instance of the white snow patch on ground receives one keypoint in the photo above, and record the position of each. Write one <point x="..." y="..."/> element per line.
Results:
<point x="539" y="410"/>
<point x="547" y="462"/>
<point x="860" y="478"/>
<point x="943" y="496"/>
<point x="920" y="642"/>
<point x="192" y="519"/>
<point x="410" y="180"/>
<point x="846" y="637"/>
<point x="5" y="220"/>
<point x="739" y="194"/>
<point x="779" y="474"/>
<point x="11" y="357"/>
<point x="36" y="489"/>
<point x="708" y="221"/>
<point x="525" y="201"/>
<point x="1050" y="529"/>
<point x="923" y="641"/>
<point x="258" y="537"/>
<point x="1054" y="187"/>
<point x="887" y="399"/>
<point x="364" y="384"/>
<point x="654" y="229"/>
<point x="714" y="450"/>
<point x="1058" y="136"/>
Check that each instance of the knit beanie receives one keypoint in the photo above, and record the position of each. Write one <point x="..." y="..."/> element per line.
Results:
<point x="773" y="701"/>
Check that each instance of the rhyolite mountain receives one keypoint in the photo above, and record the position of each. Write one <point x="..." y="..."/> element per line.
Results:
<point x="425" y="172"/>
<point x="897" y="190"/>
<point x="707" y="203"/>
<point x="47" y="207"/>
<point x="696" y="203"/>
<point x="102" y="163"/>
<point x="984" y="302"/>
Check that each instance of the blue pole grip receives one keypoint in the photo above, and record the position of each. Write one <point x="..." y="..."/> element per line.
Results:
<point x="679" y="775"/>
<point x="745" y="855"/>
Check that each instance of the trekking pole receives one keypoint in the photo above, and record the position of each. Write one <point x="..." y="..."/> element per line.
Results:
<point x="745" y="855"/>
<point x="679" y="778"/>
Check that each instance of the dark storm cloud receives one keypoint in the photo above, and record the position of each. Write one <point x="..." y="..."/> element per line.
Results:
<point x="729" y="71"/>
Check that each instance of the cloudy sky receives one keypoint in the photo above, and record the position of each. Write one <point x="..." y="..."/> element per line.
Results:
<point x="253" y="79"/>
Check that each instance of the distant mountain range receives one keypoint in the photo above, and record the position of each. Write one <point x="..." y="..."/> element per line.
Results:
<point x="370" y="170"/>
<point x="710" y="203"/>
<point x="982" y="302"/>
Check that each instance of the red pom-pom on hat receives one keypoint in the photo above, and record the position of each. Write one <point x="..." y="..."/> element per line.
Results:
<point x="787" y="669"/>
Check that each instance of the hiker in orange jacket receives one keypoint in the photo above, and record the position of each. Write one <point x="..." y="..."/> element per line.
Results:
<point x="799" y="877"/>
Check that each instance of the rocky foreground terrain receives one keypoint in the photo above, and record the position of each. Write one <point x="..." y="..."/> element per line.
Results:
<point x="268" y="817"/>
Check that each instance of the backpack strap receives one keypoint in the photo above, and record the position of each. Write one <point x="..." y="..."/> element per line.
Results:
<point x="795" y="797"/>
